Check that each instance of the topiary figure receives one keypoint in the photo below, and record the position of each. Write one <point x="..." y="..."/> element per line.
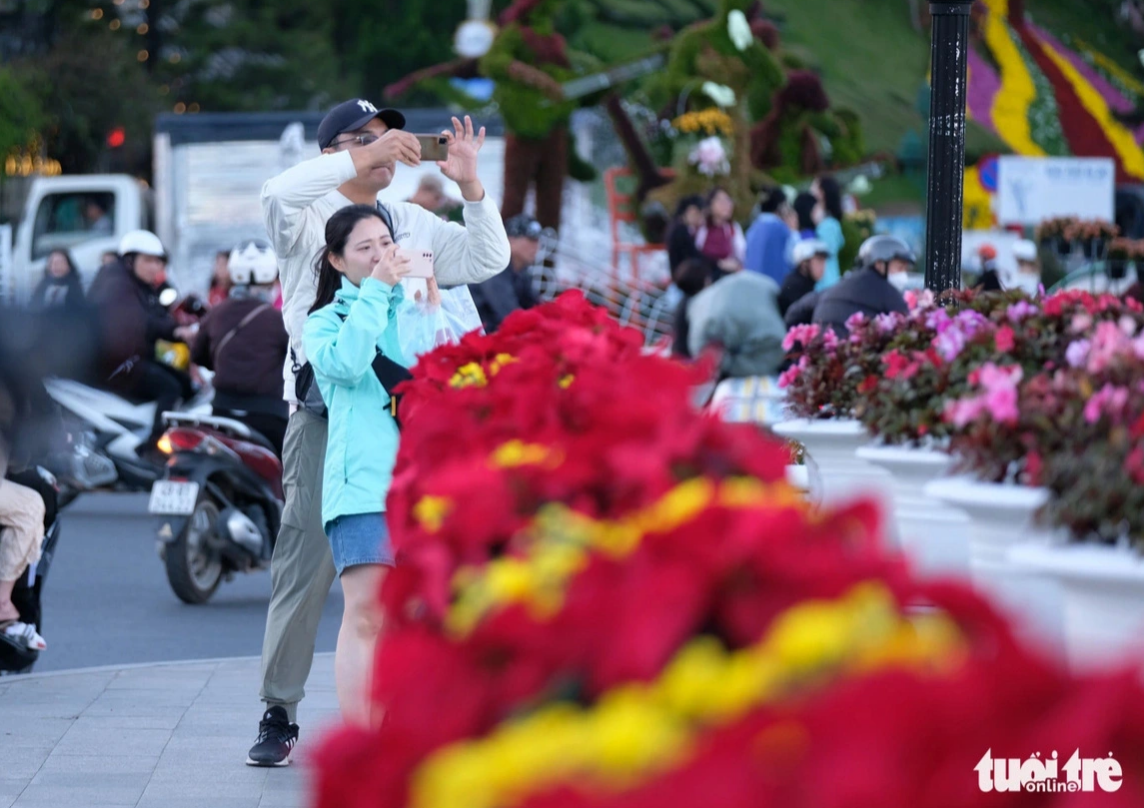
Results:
<point x="528" y="61"/>
<point x="701" y="51"/>
<point x="787" y="144"/>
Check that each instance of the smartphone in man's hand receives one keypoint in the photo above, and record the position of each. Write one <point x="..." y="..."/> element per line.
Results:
<point x="420" y="262"/>
<point x="433" y="147"/>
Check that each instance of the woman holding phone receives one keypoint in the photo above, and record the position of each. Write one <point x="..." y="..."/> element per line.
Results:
<point x="350" y="337"/>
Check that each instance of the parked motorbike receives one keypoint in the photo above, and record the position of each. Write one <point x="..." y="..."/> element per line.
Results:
<point x="103" y="431"/>
<point x="15" y="654"/>
<point x="219" y="503"/>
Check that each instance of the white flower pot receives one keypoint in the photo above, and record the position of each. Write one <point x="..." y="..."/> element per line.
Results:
<point x="1102" y="592"/>
<point x="837" y="474"/>
<point x="1002" y="516"/>
<point x="933" y="535"/>
<point x="799" y="477"/>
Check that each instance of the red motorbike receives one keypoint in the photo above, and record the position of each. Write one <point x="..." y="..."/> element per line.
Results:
<point x="219" y="503"/>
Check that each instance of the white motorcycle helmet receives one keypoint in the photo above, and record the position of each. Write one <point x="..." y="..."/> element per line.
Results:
<point x="252" y="262"/>
<point x="142" y="242"/>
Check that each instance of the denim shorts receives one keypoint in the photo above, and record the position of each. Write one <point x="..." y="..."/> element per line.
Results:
<point x="359" y="539"/>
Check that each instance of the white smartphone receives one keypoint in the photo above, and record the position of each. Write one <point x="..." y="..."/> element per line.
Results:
<point x="420" y="263"/>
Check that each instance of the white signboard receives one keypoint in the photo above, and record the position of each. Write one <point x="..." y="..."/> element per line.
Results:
<point x="1032" y="189"/>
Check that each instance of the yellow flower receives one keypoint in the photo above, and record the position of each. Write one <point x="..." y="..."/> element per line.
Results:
<point x="431" y="511"/>
<point x="517" y="453"/>
<point x="499" y="361"/>
<point x="1017" y="91"/>
<point x="469" y="375"/>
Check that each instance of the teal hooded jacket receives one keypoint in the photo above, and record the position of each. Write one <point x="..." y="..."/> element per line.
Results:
<point x="363" y="436"/>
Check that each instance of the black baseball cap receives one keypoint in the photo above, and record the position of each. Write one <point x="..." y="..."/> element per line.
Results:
<point x="349" y="116"/>
<point x="523" y="226"/>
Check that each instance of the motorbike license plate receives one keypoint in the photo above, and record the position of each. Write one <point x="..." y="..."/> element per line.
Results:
<point x="175" y="499"/>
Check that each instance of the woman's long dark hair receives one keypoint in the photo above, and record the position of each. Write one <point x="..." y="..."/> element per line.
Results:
<point x="338" y="230"/>
<point x="718" y="189"/>
<point x="803" y="206"/>
<point x="831" y="196"/>
<point x="73" y="272"/>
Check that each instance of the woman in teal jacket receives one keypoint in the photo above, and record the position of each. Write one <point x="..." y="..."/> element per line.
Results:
<point x="828" y="217"/>
<point x="354" y="318"/>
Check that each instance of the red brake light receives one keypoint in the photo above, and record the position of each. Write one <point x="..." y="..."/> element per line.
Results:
<point x="183" y="440"/>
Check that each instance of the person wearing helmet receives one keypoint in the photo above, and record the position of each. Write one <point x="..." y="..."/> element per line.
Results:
<point x="809" y="258"/>
<point x="1028" y="277"/>
<point x="989" y="281"/>
<point x="243" y="340"/>
<point x="873" y="287"/>
<point x="125" y="294"/>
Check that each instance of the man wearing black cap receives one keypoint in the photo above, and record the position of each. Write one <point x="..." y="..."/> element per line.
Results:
<point x="361" y="147"/>
<point x="501" y="295"/>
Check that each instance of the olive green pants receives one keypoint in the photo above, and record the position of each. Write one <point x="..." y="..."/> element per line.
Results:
<point x="302" y="570"/>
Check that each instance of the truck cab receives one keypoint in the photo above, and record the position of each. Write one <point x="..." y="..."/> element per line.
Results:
<point x="86" y="215"/>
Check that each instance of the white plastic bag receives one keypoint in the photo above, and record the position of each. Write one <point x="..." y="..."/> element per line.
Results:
<point x="461" y="309"/>
<point x="424" y="326"/>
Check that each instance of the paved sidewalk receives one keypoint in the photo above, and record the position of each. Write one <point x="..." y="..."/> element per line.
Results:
<point x="170" y="735"/>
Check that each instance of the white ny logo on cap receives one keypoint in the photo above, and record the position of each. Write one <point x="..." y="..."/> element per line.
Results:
<point x="366" y="106"/>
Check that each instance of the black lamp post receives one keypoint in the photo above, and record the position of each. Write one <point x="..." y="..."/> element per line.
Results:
<point x="946" y="143"/>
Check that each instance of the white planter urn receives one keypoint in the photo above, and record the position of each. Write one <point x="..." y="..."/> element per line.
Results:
<point x="799" y="477"/>
<point x="932" y="534"/>
<point x="1001" y="517"/>
<point x="836" y="474"/>
<point x="1102" y="594"/>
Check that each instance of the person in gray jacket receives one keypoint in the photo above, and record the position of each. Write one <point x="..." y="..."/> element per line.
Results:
<point x="361" y="147"/>
<point x="740" y="314"/>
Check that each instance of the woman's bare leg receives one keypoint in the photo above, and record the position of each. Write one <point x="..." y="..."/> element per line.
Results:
<point x="357" y="638"/>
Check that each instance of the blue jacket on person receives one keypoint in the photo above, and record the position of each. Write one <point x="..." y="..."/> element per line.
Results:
<point x="363" y="436"/>
<point x="768" y="247"/>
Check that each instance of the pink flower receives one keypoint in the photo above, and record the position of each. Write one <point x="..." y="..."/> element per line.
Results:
<point x="800" y="334"/>
<point x="1002" y="404"/>
<point x="1004" y="339"/>
<point x="1109" y="400"/>
<point x="1080" y="323"/>
<point x="949" y="343"/>
<point x="962" y="412"/>
<point x="1020" y="310"/>
<point x="791" y="374"/>
<point x="921" y="300"/>
<point x="855" y="321"/>
<point x="1077" y="353"/>
<point x="830" y="340"/>
<point x="1127" y="325"/>
<point x="886" y="323"/>
<point x="999" y="398"/>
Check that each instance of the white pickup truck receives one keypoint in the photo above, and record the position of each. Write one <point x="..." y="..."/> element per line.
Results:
<point x="208" y="174"/>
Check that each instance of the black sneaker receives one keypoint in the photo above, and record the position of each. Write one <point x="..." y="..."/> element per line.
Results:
<point x="276" y="739"/>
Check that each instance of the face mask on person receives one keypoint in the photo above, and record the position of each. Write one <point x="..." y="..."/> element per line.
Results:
<point x="899" y="280"/>
<point x="1027" y="282"/>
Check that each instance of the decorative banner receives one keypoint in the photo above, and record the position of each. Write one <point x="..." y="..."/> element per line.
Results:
<point x="1034" y="189"/>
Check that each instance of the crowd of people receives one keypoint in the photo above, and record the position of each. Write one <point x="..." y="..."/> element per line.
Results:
<point x="791" y="249"/>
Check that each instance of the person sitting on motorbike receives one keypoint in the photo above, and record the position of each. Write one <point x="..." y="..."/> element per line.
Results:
<point x="132" y="320"/>
<point x="21" y="536"/>
<point x="243" y="340"/>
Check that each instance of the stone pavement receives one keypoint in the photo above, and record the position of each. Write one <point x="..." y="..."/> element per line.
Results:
<point x="170" y="735"/>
